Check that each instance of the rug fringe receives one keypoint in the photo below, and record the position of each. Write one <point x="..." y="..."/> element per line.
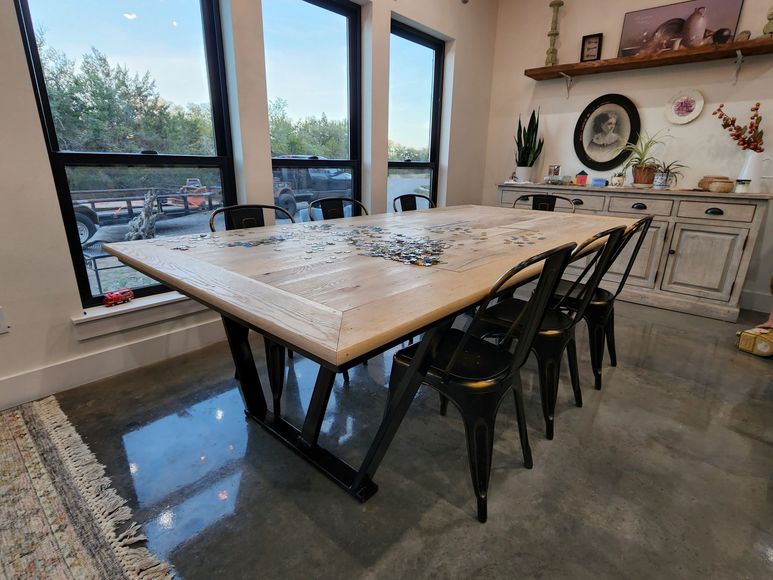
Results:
<point x="108" y="507"/>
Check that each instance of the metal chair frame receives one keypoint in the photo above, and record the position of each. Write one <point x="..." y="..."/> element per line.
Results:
<point x="408" y="202"/>
<point x="544" y="202"/>
<point x="475" y="374"/>
<point x="333" y="207"/>
<point x="253" y="219"/>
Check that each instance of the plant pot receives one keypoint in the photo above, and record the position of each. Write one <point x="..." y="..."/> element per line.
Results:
<point x="643" y="174"/>
<point x="662" y="180"/>
<point x="523" y="174"/>
<point x="617" y="181"/>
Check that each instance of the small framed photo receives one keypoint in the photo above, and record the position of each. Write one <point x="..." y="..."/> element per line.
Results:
<point x="591" y="47"/>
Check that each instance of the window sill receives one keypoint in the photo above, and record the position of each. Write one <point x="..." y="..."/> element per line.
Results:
<point x="102" y="320"/>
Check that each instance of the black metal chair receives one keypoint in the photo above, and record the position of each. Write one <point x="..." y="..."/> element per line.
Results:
<point x="544" y="202"/>
<point x="556" y="334"/>
<point x="333" y="207"/>
<point x="600" y="311"/>
<point x="408" y="202"/>
<point x="237" y="217"/>
<point x="476" y="374"/>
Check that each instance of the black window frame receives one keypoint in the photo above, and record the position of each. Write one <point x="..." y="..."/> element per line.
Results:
<point x="351" y="12"/>
<point x="439" y="47"/>
<point x="60" y="160"/>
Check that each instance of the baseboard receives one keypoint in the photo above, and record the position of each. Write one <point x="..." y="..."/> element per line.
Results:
<point x="757" y="301"/>
<point x="44" y="381"/>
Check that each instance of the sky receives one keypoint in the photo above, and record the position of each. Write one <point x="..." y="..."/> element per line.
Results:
<point x="306" y="55"/>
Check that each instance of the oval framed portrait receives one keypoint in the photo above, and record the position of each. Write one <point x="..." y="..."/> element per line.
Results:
<point x="606" y="125"/>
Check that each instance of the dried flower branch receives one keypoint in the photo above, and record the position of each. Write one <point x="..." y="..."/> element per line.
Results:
<point x="749" y="137"/>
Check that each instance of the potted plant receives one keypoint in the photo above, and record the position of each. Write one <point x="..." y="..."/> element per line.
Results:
<point x="527" y="147"/>
<point x="618" y="179"/>
<point x="666" y="173"/>
<point x="643" y="165"/>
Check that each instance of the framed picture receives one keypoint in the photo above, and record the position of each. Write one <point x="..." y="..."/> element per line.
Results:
<point x="591" y="47"/>
<point x="679" y="26"/>
<point x="605" y="126"/>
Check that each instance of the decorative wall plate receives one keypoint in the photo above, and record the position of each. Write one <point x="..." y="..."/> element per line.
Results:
<point x="684" y="107"/>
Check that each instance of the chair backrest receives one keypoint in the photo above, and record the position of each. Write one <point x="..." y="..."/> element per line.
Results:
<point x="544" y="202"/>
<point x="237" y="217"/>
<point x="333" y="207"/>
<point x="603" y="256"/>
<point x="408" y="201"/>
<point x="641" y="227"/>
<point x="530" y="318"/>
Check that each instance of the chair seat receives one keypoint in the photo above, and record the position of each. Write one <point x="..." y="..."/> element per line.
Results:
<point x="481" y="364"/>
<point x="508" y="310"/>
<point x="600" y="297"/>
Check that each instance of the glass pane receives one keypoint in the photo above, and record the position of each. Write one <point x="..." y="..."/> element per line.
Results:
<point x="411" y="80"/>
<point x="114" y="204"/>
<point x="402" y="181"/>
<point x="307" y="73"/>
<point x="295" y="188"/>
<point x="126" y="78"/>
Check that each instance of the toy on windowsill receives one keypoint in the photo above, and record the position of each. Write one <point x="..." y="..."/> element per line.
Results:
<point x="117" y="297"/>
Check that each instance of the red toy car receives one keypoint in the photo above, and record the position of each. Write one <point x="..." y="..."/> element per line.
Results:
<point x="117" y="297"/>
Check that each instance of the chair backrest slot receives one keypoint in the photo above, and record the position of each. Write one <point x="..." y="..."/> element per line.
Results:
<point x="544" y="201"/>
<point x="238" y="217"/>
<point x="407" y="202"/>
<point x="333" y="207"/>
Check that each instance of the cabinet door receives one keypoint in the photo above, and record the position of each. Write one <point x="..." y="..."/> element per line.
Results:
<point x="645" y="268"/>
<point x="703" y="260"/>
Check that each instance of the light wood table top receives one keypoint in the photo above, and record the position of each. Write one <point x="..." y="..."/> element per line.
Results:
<point x="316" y="286"/>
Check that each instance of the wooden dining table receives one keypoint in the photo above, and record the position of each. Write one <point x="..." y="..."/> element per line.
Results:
<point x="342" y="291"/>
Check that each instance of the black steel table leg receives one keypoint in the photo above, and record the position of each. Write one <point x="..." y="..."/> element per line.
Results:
<point x="275" y="361"/>
<point x="247" y="374"/>
<point x="317" y="407"/>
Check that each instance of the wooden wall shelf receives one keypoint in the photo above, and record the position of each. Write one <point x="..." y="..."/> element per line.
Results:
<point x="668" y="58"/>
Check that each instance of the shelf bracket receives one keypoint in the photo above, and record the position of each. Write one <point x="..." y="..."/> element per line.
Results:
<point x="738" y="64"/>
<point x="569" y="83"/>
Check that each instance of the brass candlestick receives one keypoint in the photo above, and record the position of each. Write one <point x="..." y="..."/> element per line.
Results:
<point x="552" y="58"/>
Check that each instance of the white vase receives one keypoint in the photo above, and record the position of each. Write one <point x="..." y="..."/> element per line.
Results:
<point x="523" y="174"/>
<point x="752" y="170"/>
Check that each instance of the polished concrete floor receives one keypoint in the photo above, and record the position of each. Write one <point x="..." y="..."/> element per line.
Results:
<point x="665" y="473"/>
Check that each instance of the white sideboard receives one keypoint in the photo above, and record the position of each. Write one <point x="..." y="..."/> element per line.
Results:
<point x="697" y="251"/>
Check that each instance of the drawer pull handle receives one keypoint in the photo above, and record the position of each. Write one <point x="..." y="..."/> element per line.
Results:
<point x="714" y="211"/>
<point x="639" y="205"/>
<point x="577" y="201"/>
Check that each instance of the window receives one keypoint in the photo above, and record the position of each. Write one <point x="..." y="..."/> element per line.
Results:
<point x="312" y="73"/>
<point x="415" y="93"/>
<point x="133" y="104"/>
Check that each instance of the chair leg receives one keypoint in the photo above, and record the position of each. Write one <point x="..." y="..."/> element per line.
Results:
<point x="596" y="340"/>
<point x="574" y="371"/>
<point x="290" y="354"/>
<point x="549" y="371"/>
<point x="522" y="432"/>
<point x="346" y="377"/>
<point x="610" y="333"/>
<point x="443" y="404"/>
<point x="479" y="412"/>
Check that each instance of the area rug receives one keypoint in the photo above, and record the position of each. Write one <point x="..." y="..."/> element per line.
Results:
<point x="59" y="517"/>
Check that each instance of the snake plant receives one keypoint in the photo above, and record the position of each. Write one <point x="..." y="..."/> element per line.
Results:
<point x="527" y="146"/>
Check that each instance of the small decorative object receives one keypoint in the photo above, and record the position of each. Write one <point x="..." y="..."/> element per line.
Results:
<point x="598" y="182"/>
<point x="682" y="25"/>
<point x="527" y="147"/>
<point x="721" y="186"/>
<point x="667" y="173"/>
<point x="591" y="47"/>
<point x="603" y="129"/>
<point x="707" y="179"/>
<point x="618" y="179"/>
<point x="757" y="341"/>
<point x="742" y="186"/>
<point x="750" y="138"/>
<point x="743" y="36"/>
<point x="117" y="297"/>
<point x="552" y="54"/>
<point x="643" y="165"/>
<point x="554" y="170"/>
<point x="684" y="107"/>
<point x="581" y="178"/>
<point x="768" y="30"/>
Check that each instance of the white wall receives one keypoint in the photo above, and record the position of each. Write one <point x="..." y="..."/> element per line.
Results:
<point x="42" y="353"/>
<point x="702" y="145"/>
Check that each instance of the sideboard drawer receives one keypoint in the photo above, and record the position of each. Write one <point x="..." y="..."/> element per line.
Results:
<point x="646" y="206"/>
<point x="585" y="202"/>
<point x="735" y="212"/>
<point x="582" y="201"/>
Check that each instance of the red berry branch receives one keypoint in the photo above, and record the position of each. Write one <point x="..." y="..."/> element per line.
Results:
<point x="748" y="137"/>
